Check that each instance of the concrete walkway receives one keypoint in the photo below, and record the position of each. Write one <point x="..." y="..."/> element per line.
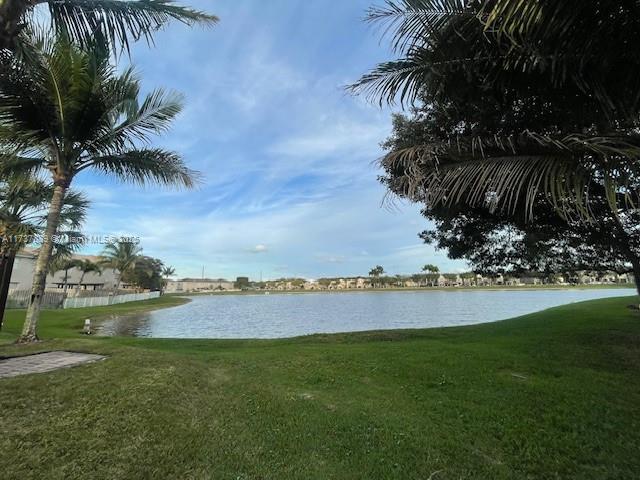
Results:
<point x="44" y="362"/>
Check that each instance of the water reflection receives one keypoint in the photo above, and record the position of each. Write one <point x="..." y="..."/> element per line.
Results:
<point x="125" y="325"/>
<point x="287" y="315"/>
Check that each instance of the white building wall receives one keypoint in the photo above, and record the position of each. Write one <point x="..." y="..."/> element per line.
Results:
<point x="25" y="265"/>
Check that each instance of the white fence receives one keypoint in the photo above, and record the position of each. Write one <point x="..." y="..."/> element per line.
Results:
<point x="110" y="300"/>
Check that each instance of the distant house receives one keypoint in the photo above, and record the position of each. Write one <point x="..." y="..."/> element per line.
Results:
<point x="625" y="278"/>
<point x="482" y="281"/>
<point x="527" y="280"/>
<point x="608" y="277"/>
<point x="512" y="281"/>
<point x="583" y="277"/>
<point x="193" y="285"/>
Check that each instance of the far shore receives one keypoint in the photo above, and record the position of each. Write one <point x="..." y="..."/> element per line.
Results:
<point x="404" y="289"/>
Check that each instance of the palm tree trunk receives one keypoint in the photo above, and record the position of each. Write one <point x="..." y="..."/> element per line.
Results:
<point x="8" y="259"/>
<point x="42" y="263"/>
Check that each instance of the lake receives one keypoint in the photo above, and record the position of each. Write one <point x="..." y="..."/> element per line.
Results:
<point x="290" y="315"/>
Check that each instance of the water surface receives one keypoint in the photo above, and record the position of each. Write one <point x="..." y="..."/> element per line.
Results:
<point x="289" y="315"/>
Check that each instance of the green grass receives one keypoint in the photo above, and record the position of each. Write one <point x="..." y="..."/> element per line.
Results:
<point x="548" y="395"/>
<point x="69" y="323"/>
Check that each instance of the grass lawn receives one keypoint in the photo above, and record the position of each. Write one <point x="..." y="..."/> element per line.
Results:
<point x="549" y="395"/>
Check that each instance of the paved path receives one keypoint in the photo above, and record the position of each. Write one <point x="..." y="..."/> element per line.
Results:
<point x="43" y="362"/>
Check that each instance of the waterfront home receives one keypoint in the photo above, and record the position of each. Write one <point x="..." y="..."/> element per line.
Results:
<point x="24" y="268"/>
<point x="193" y="285"/>
<point x="583" y="277"/>
<point x="608" y="277"/>
<point x="531" y="280"/>
<point x="511" y="281"/>
<point x="482" y="281"/>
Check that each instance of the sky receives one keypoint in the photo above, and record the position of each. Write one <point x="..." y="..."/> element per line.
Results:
<point x="288" y="157"/>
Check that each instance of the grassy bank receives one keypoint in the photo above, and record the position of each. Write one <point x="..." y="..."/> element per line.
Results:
<point x="69" y="323"/>
<point x="549" y="395"/>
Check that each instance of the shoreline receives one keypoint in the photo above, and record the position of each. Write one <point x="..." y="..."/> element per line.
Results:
<point x="403" y="289"/>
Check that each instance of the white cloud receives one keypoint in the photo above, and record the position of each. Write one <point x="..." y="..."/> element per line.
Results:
<point x="259" y="248"/>
<point x="334" y="137"/>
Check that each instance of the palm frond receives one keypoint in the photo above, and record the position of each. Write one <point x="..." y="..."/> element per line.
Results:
<point x="74" y="210"/>
<point x="120" y="22"/>
<point x="138" y="122"/>
<point x="16" y="165"/>
<point x="403" y="78"/>
<point x="509" y="173"/>
<point x="411" y="23"/>
<point x="146" y="166"/>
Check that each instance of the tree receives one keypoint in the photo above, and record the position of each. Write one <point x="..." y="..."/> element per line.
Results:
<point x="376" y="272"/>
<point x="470" y="278"/>
<point x="122" y="257"/>
<point x="167" y="272"/>
<point x="118" y="22"/>
<point x="432" y="273"/>
<point x="499" y="241"/>
<point x="63" y="264"/>
<point x="87" y="266"/>
<point x="526" y="105"/>
<point x="66" y="110"/>
<point x="23" y="205"/>
<point x="145" y="273"/>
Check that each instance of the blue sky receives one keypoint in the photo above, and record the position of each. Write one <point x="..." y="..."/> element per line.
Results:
<point x="290" y="185"/>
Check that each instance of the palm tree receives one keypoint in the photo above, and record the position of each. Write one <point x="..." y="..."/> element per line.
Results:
<point x="24" y="202"/>
<point x="166" y="273"/>
<point x="117" y="21"/>
<point x="63" y="264"/>
<point x="87" y="266"/>
<point x="122" y="257"/>
<point x="432" y="272"/>
<point x="376" y="272"/>
<point x="430" y="268"/>
<point x="452" y="52"/>
<point x="65" y="109"/>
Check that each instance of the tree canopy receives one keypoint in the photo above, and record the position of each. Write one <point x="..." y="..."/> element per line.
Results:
<point x="520" y="111"/>
<point x="497" y="59"/>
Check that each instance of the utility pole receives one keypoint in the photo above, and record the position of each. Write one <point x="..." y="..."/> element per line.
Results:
<point x="203" y="272"/>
